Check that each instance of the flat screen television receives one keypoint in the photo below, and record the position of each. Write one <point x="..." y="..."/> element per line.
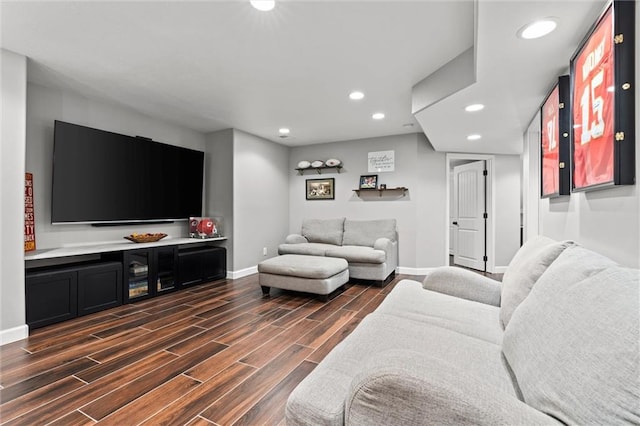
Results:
<point x="104" y="178"/>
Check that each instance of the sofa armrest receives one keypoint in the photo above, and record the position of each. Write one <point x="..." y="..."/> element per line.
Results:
<point x="463" y="284"/>
<point x="391" y="250"/>
<point x="295" y="239"/>
<point x="408" y="387"/>
<point x="384" y="244"/>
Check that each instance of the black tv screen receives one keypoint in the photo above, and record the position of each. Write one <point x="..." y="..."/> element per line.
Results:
<point x="101" y="177"/>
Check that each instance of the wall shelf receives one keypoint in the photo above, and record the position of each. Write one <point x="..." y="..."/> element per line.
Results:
<point x="318" y="169"/>
<point x="381" y="191"/>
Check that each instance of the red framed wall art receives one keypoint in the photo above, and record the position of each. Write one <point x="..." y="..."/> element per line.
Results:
<point x="602" y="100"/>
<point x="29" y="218"/>
<point x="555" y="142"/>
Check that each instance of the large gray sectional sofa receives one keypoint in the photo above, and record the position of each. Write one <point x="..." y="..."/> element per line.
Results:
<point x="556" y="342"/>
<point x="369" y="246"/>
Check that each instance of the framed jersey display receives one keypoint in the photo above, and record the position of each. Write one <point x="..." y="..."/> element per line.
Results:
<point x="602" y="102"/>
<point x="555" y="151"/>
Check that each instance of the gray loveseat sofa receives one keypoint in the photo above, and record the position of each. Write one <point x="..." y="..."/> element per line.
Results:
<point x="369" y="246"/>
<point x="556" y="343"/>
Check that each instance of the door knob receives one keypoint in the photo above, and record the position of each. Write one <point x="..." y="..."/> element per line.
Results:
<point x="455" y="223"/>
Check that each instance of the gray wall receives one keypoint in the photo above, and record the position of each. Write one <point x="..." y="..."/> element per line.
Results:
<point x="260" y="198"/>
<point x="219" y="184"/>
<point x="431" y="214"/>
<point x="46" y="105"/>
<point x="420" y="214"/>
<point x="13" y="86"/>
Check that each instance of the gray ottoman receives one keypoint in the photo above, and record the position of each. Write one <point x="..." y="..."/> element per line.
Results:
<point x="310" y="274"/>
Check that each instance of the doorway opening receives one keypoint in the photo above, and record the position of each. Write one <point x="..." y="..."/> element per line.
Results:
<point x="470" y="208"/>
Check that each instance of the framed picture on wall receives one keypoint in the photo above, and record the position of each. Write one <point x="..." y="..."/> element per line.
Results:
<point x="320" y="189"/>
<point x="368" y="182"/>
<point x="555" y="150"/>
<point x="603" y="105"/>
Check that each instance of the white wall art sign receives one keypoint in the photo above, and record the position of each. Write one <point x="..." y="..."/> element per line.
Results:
<point x="381" y="161"/>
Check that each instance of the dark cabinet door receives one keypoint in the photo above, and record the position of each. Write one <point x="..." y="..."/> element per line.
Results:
<point x="190" y="268"/>
<point x="51" y="297"/>
<point x="214" y="264"/>
<point x="165" y="262"/>
<point x="138" y="279"/>
<point x="99" y="287"/>
<point x="150" y="272"/>
<point x="202" y="265"/>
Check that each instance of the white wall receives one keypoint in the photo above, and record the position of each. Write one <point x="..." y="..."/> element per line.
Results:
<point x="607" y="221"/>
<point x="13" y="86"/>
<point x="46" y="105"/>
<point x="506" y="207"/>
<point x="420" y="214"/>
<point x="260" y="198"/>
<point x="530" y="183"/>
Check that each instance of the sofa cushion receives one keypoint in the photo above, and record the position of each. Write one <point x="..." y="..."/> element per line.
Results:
<point x="328" y="231"/>
<point x="402" y="387"/>
<point x="294" y="265"/>
<point x="525" y="268"/>
<point x="409" y="300"/>
<point x="366" y="232"/>
<point x="320" y="398"/>
<point x="358" y="254"/>
<point x="573" y="343"/>
<point x="309" y="249"/>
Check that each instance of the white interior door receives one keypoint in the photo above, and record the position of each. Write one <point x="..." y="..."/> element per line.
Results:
<point x="469" y="196"/>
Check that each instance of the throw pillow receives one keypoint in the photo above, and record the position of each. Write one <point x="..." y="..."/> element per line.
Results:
<point x="525" y="268"/>
<point x="328" y="231"/>
<point x="573" y="346"/>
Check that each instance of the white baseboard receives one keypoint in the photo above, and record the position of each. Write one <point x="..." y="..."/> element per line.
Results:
<point x="13" y="334"/>
<point x="399" y="270"/>
<point x="233" y="275"/>
<point x="254" y="270"/>
<point x="413" y="271"/>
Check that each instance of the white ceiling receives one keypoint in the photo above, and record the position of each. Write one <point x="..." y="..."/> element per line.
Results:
<point x="513" y="75"/>
<point x="214" y="65"/>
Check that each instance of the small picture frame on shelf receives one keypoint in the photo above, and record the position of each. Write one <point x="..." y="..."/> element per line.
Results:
<point x="369" y="182"/>
<point x="320" y="189"/>
<point x="383" y="186"/>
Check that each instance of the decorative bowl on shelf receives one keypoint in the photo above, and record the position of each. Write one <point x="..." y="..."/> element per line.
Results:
<point x="317" y="163"/>
<point x="332" y="162"/>
<point x="145" y="238"/>
<point x="304" y="164"/>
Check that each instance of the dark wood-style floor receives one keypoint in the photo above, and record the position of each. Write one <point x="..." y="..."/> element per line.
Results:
<point x="217" y="353"/>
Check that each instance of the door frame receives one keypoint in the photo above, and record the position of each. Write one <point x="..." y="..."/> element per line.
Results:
<point x="489" y="200"/>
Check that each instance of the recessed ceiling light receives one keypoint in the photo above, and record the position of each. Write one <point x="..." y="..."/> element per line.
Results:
<point x="378" y="116"/>
<point x="263" y="5"/>
<point x="356" y="96"/>
<point x="537" y="29"/>
<point x="473" y="137"/>
<point x="474" y="107"/>
<point x="284" y="131"/>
